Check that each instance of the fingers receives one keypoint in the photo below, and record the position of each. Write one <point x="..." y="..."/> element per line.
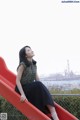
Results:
<point x="23" y="98"/>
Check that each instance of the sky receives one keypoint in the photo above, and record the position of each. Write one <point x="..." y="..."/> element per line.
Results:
<point x="50" y="27"/>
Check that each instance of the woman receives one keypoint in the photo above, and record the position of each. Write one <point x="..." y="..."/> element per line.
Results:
<point x="29" y="86"/>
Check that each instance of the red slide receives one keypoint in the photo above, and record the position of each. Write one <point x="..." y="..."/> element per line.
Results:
<point x="7" y="85"/>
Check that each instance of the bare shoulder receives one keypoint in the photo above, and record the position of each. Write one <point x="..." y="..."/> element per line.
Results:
<point x="20" y="68"/>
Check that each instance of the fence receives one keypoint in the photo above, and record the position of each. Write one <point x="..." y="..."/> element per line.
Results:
<point x="70" y="102"/>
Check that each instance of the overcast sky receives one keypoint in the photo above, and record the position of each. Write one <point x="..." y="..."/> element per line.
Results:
<point x="50" y="27"/>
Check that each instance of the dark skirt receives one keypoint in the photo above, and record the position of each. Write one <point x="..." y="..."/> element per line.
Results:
<point x="38" y="95"/>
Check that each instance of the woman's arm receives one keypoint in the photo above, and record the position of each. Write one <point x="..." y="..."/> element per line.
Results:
<point x="18" y="78"/>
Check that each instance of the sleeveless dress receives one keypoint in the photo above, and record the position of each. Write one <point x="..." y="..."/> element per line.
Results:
<point x="35" y="91"/>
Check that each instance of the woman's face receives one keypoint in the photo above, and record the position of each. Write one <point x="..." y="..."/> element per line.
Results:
<point x="29" y="53"/>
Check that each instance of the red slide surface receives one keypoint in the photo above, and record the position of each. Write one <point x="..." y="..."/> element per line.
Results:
<point x="7" y="85"/>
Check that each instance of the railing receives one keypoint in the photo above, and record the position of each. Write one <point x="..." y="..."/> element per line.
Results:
<point x="65" y="94"/>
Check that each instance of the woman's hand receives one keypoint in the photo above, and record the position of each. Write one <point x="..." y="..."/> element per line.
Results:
<point x="23" y="98"/>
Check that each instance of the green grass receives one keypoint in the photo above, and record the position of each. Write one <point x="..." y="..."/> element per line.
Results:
<point x="59" y="91"/>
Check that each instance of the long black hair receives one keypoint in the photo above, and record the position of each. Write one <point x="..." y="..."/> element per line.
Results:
<point x="23" y="58"/>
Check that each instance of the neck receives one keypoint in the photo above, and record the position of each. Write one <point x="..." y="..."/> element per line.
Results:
<point x="29" y="59"/>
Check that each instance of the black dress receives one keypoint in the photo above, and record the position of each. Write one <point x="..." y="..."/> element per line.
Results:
<point x="35" y="91"/>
